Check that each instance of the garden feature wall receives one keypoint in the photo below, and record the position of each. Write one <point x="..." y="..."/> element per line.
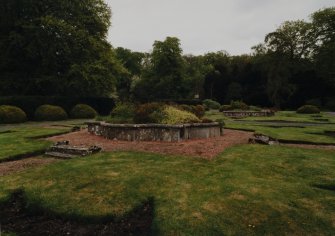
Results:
<point x="155" y="132"/>
<point x="241" y="114"/>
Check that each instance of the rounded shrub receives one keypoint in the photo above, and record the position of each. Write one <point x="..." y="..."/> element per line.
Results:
<point x="198" y="110"/>
<point x="171" y="115"/>
<point x="148" y="112"/>
<point x="82" y="111"/>
<point x="211" y="104"/>
<point x="11" y="115"/>
<point x="239" y="105"/>
<point x="308" y="109"/>
<point x="225" y="108"/>
<point x="50" y="113"/>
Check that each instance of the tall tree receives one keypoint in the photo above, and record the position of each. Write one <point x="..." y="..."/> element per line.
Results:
<point x="56" y="47"/>
<point x="164" y="77"/>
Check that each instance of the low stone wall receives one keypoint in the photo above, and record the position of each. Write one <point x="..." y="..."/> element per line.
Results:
<point x="155" y="132"/>
<point x="241" y="114"/>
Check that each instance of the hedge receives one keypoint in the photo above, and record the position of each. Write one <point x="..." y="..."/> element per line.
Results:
<point x="30" y="103"/>
<point x="83" y="111"/>
<point x="50" y="113"/>
<point x="11" y="115"/>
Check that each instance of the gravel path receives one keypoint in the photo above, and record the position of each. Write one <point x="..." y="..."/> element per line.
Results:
<point x="205" y="148"/>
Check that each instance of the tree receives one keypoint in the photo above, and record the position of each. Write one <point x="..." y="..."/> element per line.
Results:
<point x="56" y="47"/>
<point x="324" y="26"/>
<point x="164" y="76"/>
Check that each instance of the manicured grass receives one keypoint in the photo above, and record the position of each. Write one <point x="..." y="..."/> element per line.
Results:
<point x="22" y="141"/>
<point x="279" y="116"/>
<point x="307" y="133"/>
<point x="249" y="189"/>
<point x="312" y="134"/>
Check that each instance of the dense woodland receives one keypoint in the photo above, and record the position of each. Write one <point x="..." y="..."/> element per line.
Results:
<point x="60" y="48"/>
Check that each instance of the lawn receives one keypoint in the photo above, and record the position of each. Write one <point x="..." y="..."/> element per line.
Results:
<point x="249" y="189"/>
<point x="23" y="139"/>
<point x="296" y="127"/>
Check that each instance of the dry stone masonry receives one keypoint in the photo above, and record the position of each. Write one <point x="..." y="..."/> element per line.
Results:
<point x="242" y="114"/>
<point x="155" y="132"/>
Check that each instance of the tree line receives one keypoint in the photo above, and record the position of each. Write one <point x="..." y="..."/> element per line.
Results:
<point x="60" y="47"/>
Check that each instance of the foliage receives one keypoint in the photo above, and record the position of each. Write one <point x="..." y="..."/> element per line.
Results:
<point x="308" y="109"/>
<point x="225" y="108"/>
<point x="30" y="103"/>
<point x="172" y="115"/>
<point x="82" y="111"/>
<point x="238" y="105"/>
<point x="211" y="104"/>
<point x="11" y="114"/>
<point x="50" y="113"/>
<point x="144" y="112"/>
<point x="164" y="74"/>
<point x="198" y="110"/>
<point x="206" y="120"/>
<point x="123" y="113"/>
<point x="56" y="47"/>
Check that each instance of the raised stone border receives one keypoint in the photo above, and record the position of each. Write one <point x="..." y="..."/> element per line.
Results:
<point x="241" y="114"/>
<point x="155" y="132"/>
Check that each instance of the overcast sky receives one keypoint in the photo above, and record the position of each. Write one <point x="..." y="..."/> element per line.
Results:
<point x="203" y="25"/>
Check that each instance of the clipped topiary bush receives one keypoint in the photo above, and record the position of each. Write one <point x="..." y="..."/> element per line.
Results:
<point x="308" y="109"/>
<point x="211" y="104"/>
<point x="82" y="111"/>
<point x="50" y="113"/>
<point x="11" y="115"/>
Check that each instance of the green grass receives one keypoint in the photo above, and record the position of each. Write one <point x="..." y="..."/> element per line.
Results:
<point x="306" y="132"/>
<point x="279" y="116"/>
<point x="24" y="140"/>
<point x="247" y="190"/>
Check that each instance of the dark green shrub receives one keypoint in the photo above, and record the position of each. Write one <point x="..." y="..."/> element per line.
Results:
<point x="145" y="113"/>
<point x="239" y="105"/>
<point x="308" y="109"/>
<point x="225" y="108"/>
<point x="315" y="102"/>
<point x="198" y="110"/>
<point x="206" y="120"/>
<point x="185" y="107"/>
<point x="210" y="104"/>
<point x="50" y="113"/>
<point x="29" y="104"/>
<point x="83" y="111"/>
<point x="11" y="115"/>
<point x="123" y="113"/>
<point x="330" y="105"/>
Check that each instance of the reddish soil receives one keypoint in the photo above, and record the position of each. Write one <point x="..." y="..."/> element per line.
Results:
<point x="205" y="148"/>
<point x="10" y="167"/>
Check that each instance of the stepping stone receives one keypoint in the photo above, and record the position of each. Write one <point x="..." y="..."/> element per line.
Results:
<point x="65" y="150"/>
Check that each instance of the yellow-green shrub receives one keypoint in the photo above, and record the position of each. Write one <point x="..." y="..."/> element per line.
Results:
<point x="172" y="116"/>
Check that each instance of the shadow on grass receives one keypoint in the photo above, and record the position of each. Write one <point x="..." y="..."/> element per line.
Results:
<point x="17" y="218"/>
<point x="330" y="187"/>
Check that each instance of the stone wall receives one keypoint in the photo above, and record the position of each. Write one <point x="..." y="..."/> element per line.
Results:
<point x="154" y="132"/>
<point x="241" y="114"/>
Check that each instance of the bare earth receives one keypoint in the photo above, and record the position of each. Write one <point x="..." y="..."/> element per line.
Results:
<point x="205" y="148"/>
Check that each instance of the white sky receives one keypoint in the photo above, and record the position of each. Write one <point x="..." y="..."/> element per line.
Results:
<point x="203" y="25"/>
